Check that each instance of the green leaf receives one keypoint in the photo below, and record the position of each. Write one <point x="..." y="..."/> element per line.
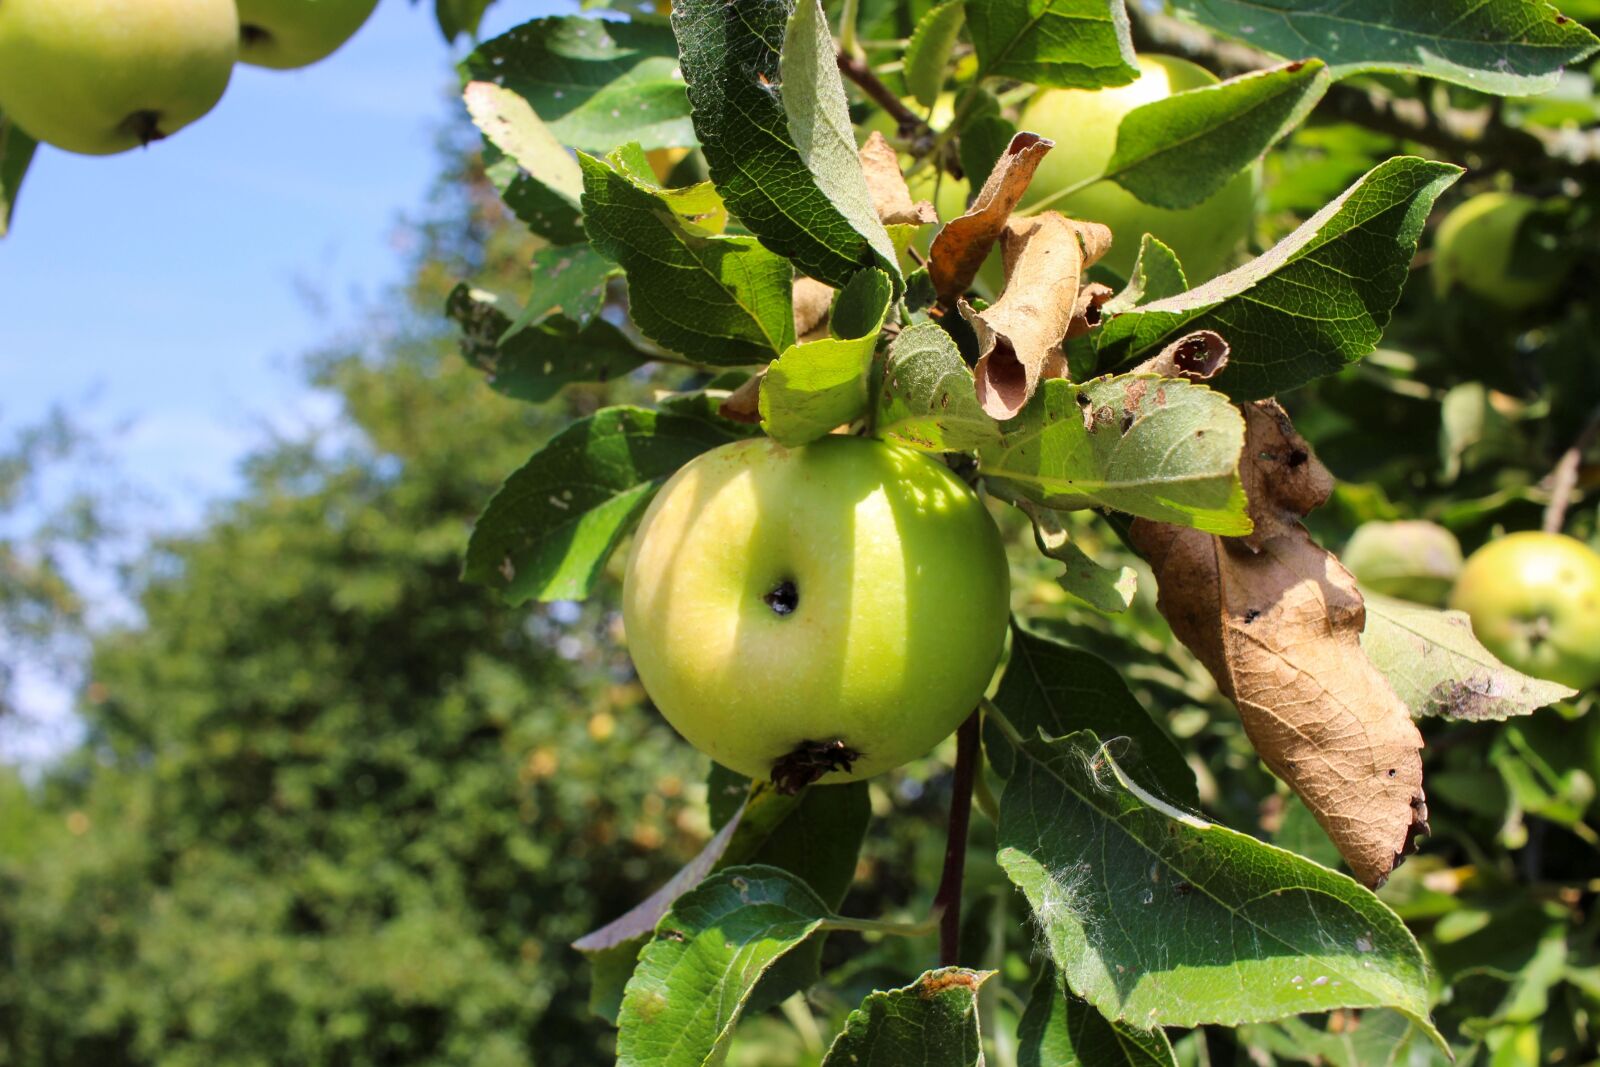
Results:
<point x="1055" y="689"/>
<point x="1510" y="47"/>
<point x="933" y="1022"/>
<point x="16" y="152"/>
<point x="709" y="951"/>
<point x="537" y="177"/>
<point x="817" y="385"/>
<point x="535" y="363"/>
<point x="1438" y="667"/>
<point x="927" y="398"/>
<point x="1315" y="302"/>
<point x="596" y="84"/>
<point x="792" y="177"/>
<point x="551" y="527"/>
<point x="567" y="280"/>
<point x="1156" y="275"/>
<point x="1177" y="151"/>
<point x="1075" y="44"/>
<point x="1159" y="918"/>
<point x="716" y="299"/>
<point x="457" y="17"/>
<point x="1108" y="590"/>
<point x="1376" y="1039"/>
<point x="1061" y="1030"/>
<point x="982" y="143"/>
<point x="928" y="51"/>
<point x="1161" y="449"/>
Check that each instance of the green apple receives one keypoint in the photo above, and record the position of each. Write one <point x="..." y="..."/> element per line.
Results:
<point x="1411" y="560"/>
<point x="838" y="605"/>
<point x="1534" y="599"/>
<point x="1083" y="124"/>
<point x="1486" y="247"/>
<point x="103" y="76"/>
<point x="284" y="34"/>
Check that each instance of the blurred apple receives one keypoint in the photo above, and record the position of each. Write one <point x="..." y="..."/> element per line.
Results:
<point x="284" y="34"/>
<point x="104" y="76"/>
<point x="1486" y="247"/>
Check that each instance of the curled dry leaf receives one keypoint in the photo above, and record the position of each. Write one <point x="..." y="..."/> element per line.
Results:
<point x="961" y="247"/>
<point x="1196" y="356"/>
<point x="812" y="301"/>
<point x="1277" y="621"/>
<point x="744" y="403"/>
<point x="1020" y="335"/>
<point x="891" y="197"/>
<point x="1086" y="310"/>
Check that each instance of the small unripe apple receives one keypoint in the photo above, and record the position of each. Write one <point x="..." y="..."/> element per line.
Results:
<point x="1416" y="561"/>
<point x="284" y="34"/>
<point x="103" y="76"/>
<point x="1083" y="124"/>
<point x="838" y="607"/>
<point x="1483" y="246"/>
<point x="1534" y="599"/>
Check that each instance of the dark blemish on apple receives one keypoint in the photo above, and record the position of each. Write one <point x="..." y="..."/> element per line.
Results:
<point x="783" y="599"/>
<point x="809" y="761"/>
<point x="250" y="33"/>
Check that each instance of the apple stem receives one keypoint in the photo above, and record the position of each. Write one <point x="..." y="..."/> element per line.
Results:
<point x="947" y="901"/>
<point x="1565" y="476"/>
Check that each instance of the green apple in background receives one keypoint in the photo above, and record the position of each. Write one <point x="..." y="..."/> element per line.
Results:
<point x="1534" y="599"/>
<point x="1083" y="124"/>
<point x="284" y="34"/>
<point x="844" y="599"/>
<point x="1485" y="246"/>
<point x="1412" y="560"/>
<point x="103" y="76"/>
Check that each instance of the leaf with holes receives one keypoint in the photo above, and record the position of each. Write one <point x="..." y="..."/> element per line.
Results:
<point x="1315" y="302"/>
<point x="595" y="84"/>
<point x="1159" y="918"/>
<point x="1159" y="448"/>
<point x="537" y="178"/>
<point x="551" y="527"/>
<point x="709" y="951"/>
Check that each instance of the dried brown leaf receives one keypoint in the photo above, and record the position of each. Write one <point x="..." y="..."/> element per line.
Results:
<point x="812" y="301"/>
<point x="1086" y="311"/>
<point x="1195" y="356"/>
<point x="1277" y="621"/>
<point x="744" y="403"/>
<point x="891" y="197"/>
<point x="961" y="247"/>
<point x="1020" y="334"/>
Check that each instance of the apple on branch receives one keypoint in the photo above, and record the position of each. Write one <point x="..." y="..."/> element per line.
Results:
<point x="824" y="612"/>
<point x="284" y="34"/>
<point x="104" y="76"/>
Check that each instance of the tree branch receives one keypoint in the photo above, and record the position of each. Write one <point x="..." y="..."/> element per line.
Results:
<point x="912" y="126"/>
<point x="947" y="901"/>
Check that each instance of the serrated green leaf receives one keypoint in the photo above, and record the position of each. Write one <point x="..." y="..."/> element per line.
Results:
<point x="1177" y="151"/>
<point x="549" y="530"/>
<point x="1159" y="918"/>
<point x="707" y="955"/>
<point x="927" y="398"/>
<point x="792" y="177"/>
<point x="595" y="84"/>
<point x="1061" y="1030"/>
<point x="537" y="177"/>
<point x="933" y="1022"/>
<point x="1375" y="1039"/>
<point x="717" y="299"/>
<point x="817" y="385"/>
<point x="567" y="280"/>
<point x="1076" y="44"/>
<point x="1156" y="275"/>
<point x="1315" y="302"/>
<point x="534" y="364"/>
<point x="16" y="152"/>
<point x="1436" y="665"/>
<point x="1101" y="587"/>
<point x="928" y="51"/>
<point x="1055" y="689"/>
<point x="1161" y="449"/>
<point x="1511" y="47"/>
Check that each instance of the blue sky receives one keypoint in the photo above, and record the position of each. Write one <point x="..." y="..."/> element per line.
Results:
<point x="161" y="295"/>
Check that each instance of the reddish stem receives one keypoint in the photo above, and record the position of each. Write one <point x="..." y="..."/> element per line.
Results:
<point x="947" y="901"/>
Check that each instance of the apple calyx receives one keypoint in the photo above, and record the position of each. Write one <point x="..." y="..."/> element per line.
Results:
<point x="250" y="34"/>
<point x="809" y="761"/>
<point x="146" y="126"/>
<point x="783" y="599"/>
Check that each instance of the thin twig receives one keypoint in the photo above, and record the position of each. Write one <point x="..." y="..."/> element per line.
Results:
<point x="912" y="126"/>
<point x="947" y="901"/>
<point x="1564" y="478"/>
